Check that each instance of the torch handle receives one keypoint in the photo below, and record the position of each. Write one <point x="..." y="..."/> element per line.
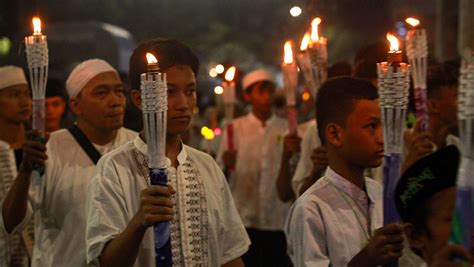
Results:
<point x="421" y="108"/>
<point x="230" y="137"/>
<point x="161" y="230"/>
<point x="38" y="115"/>
<point x="292" y="120"/>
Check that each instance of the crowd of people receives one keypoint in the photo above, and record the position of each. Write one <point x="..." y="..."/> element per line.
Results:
<point x="311" y="198"/>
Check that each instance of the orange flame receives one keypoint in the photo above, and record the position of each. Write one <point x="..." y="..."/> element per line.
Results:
<point x="393" y="42"/>
<point x="36" y="25"/>
<point x="305" y="42"/>
<point x="229" y="74"/>
<point x="412" y="21"/>
<point x="288" y="59"/>
<point x="314" y="29"/>
<point x="151" y="58"/>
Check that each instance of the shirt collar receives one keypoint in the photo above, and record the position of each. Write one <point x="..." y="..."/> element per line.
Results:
<point x="349" y="188"/>
<point x="143" y="148"/>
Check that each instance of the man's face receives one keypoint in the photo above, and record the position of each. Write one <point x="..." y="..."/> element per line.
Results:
<point x="363" y="135"/>
<point x="261" y="96"/>
<point x="101" y="103"/>
<point x="439" y="221"/>
<point x="54" y="110"/>
<point x="15" y="104"/>
<point x="181" y="98"/>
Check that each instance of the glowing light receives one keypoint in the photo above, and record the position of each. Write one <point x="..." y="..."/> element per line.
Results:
<point x="412" y="21"/>
<point x="394" y="46"/>
<point x="314" y="29"/>
<point x="36" y="25"/>
<point x="218" y="90"/>
<point x="220" y="69"/>
<point x="230" y="74"/>
<point x="305" y="41"/>
<point x="213" y="73"/>
<point x="288" y="59"/>
<point x="217" y="131"/>
<point x="305" y="96"/>
<point x="295" y="11"/>
<point x="207" y="133"/>
<point x="151" y="59"/>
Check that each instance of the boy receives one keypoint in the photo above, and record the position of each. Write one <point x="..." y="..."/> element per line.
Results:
<point x="425" y="198"/>
<point x="334" y="222"/>
<point x="122" y="205"/>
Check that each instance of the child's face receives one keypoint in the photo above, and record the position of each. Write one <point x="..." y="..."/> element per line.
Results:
<point x="439" y="221"/>
<point x="363" y="135"/>
<point x="261" y="96"/>
<point x="181" y="98"/>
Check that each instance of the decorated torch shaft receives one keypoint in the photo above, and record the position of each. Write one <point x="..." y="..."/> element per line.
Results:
<point x="462" y="224"/>
<point x="154" y="106"/>
<point x="229" y="101"/>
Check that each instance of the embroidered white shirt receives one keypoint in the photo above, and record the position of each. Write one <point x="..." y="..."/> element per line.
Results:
<point x="114" y="198"/>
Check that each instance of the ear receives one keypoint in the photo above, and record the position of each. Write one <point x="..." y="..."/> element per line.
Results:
<point x="414" y="237"/>
<point x="137" y="98"/>
<point x="74" y="106"/>
<point x="334" y="134"/>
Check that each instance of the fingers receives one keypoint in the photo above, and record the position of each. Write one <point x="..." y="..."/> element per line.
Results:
<point x="391" y="229"/>
<point x="157" y="190"/>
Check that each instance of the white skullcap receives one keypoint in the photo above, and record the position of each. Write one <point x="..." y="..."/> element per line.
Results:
<point x="258" y="75"/>
<point x="83" y="73"/>
<point x="11" y="75"/>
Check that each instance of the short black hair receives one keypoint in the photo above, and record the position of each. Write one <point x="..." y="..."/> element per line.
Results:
<point x="336" y="100"/>
<point x="445" y="75"/>
<point x="169" y="53"/>
<point x="366" y="59"/>
<point x="261" y="84"/>
<point x="55" y="87"/>
<point x="341" y="68"/>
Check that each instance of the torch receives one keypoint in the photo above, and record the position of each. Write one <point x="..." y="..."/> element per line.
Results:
<point x="417" y="52"/>
<point x="318" y="54"/>
<point x="154" y="106"/>
<point x="229" y="101"/>
<point x="463" y="214"/>
<point x="304" y="63"/>
<point x="37" y="58"/>
<point x="394" y="82"/>
<point x="290" y="80"/>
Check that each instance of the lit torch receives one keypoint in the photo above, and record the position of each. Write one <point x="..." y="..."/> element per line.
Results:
<point x="393" y="82"/>
<point x="317" y="49"/>
<point x="290" y="80"/>
<point x="463" y="215"/>
<point x="417" y="52"/>
<point x="304" y="62"/>
<point x="38" y="59"/>
<point x="229" y="102"/>
<point x="154" y="97"/>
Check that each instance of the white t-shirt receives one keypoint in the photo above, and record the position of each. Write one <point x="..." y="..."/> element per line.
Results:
<point x="60" y="223"/>
<point x="114" y="198"/>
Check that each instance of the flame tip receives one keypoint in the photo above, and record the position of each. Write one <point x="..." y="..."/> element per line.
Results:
<point x="230" y="74"/>
<point x="151" y="58"/>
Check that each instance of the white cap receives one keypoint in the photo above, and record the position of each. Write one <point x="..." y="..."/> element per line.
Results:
<point x="11" y="75"/>
<point x="258" y="75"/>
<point x="83" y="73"/>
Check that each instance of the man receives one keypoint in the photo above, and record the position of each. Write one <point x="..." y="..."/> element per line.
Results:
<point x="97" y="100"/>
<point x="15" y="111"/>
<point x="253" y="171"/>
<point x="122" y="206"/>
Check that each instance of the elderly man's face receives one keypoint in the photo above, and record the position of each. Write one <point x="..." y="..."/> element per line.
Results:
<point x="101" y="103"/>
<point x="15" y="104"/>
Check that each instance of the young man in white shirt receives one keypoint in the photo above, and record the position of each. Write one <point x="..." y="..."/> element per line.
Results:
<point x="15" y="111"/>
<point x="97" y="100"/>
<point x="122" y="207"/>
